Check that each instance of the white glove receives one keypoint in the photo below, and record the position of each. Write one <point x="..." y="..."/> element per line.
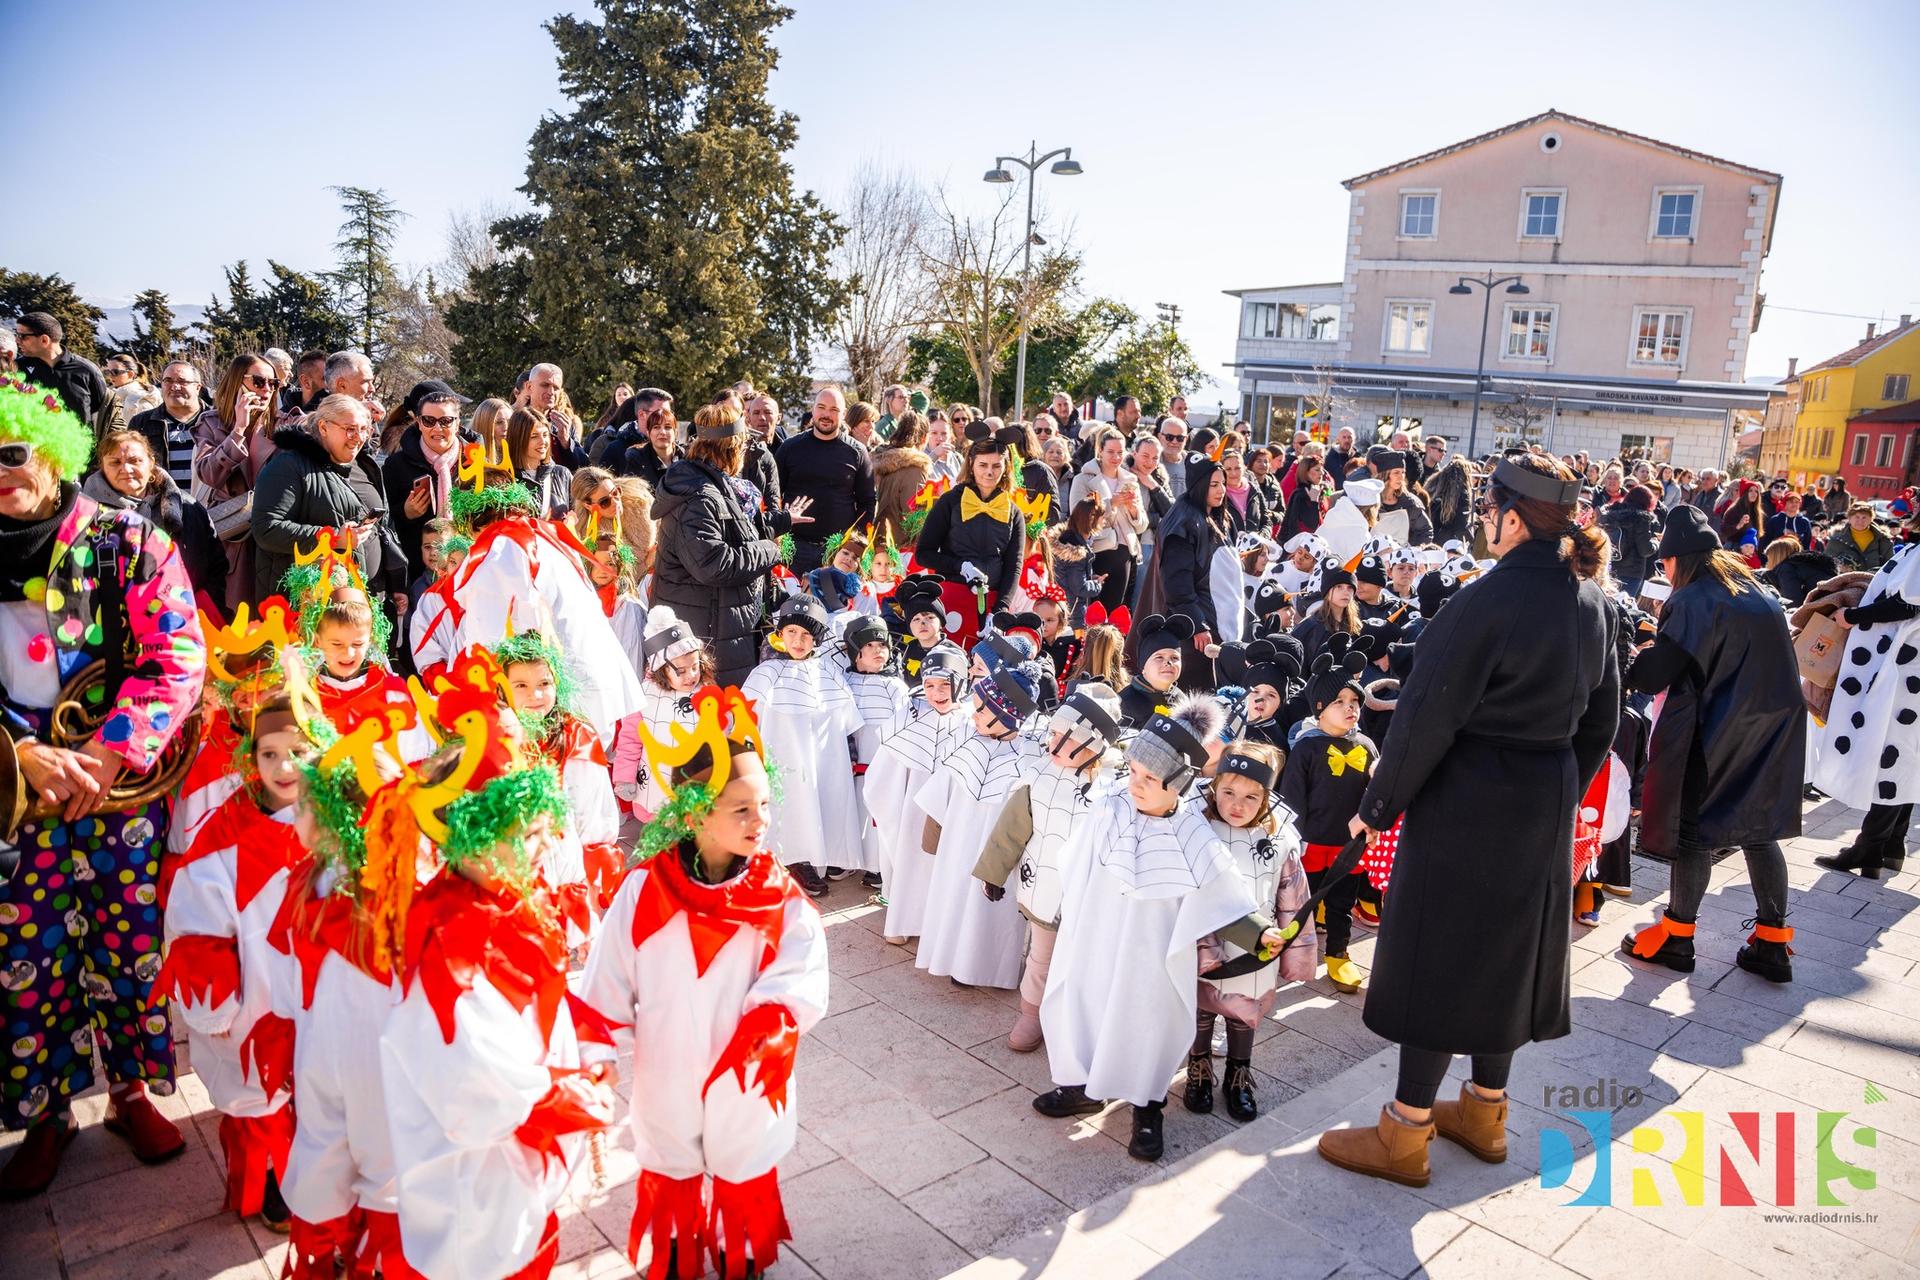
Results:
<point x="972" y="574"/>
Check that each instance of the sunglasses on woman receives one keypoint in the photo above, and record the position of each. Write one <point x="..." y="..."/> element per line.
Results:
<point x="15" y="455"/>
<point x="261" y="381"/>
<point x="603" y="503"/>
<point x="429" y="421"/>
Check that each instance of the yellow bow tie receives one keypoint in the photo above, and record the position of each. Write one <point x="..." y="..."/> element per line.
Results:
<point x="1001" y="508"/>
<point x="1338" y="761"/>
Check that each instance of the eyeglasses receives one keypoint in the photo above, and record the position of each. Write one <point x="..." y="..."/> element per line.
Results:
<point x="15" y="456"/>
<point x="261" y="380"/>
<point x="436" y="421"/>
<point x="179" y="382"/>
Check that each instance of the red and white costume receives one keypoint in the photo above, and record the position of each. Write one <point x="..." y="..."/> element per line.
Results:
<point x="221" y="972"/>
<point x="348" y="701"/>
<point x="594" y="815"/>
<point x="488" y="1103"/>
<point x="524" y="575"/>
<point x="209" y="781"/>
<point x="431" y="630"/>
<point x="713" y="985"/>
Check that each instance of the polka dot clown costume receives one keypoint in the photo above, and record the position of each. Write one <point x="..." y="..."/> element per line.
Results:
<point x="80" y="938"/>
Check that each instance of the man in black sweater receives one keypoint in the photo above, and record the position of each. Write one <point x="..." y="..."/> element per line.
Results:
<point x="43" y="361"/>
<point x="836" y="473"/>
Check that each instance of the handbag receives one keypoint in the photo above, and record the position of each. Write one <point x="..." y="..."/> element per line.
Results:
<point x="1818" y="648"/>
<point x="232" y="518"/>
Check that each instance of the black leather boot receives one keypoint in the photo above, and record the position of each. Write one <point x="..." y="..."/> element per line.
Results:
<point x="1854" y="859"/>
<point x="1199" y="1093"/>
<point x="1147" y="1141"/>
<point x="1238" y="1086"/>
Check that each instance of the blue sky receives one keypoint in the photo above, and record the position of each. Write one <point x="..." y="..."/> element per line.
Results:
<point x="1214" y="134"/>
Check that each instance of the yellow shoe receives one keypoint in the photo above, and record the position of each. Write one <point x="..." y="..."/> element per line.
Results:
<point x="1344" y="973"/>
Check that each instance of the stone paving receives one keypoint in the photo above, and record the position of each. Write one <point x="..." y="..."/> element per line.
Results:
<point x="920" y="1156"/>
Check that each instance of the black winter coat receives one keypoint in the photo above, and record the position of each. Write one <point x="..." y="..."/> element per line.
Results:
<point x="711" y="563"/>
<point x="302" y="490"/>
<point x="1503" y="721"/>
<point x="1729" y="749"/>
<point x="1631" y="531"/>
<point x="402" y="467"/>
<point x="1800" y="573"/>
<point x="1183" y="551"/>
<point x="946" y="542"/>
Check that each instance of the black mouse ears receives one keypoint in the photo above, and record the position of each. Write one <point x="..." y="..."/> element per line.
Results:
<point x="1233" y="662"/>
<point x="1355" y="662"/>
<point x="1178" y="625"/>
<point x="1322" y="662"/>
<point x="1340" y="645"/>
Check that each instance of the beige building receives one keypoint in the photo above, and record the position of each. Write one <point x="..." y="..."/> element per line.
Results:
<point x="1776" y="428"/>
<point x="1638" y="266"/>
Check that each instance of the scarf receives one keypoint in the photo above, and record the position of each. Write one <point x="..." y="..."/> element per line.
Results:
<point x="26" y="546"/>
<point x="442" y="464"/>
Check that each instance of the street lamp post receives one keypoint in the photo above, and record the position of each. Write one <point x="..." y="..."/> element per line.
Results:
<point x="1465" y="288"/>
<point x="1066" y="167"/>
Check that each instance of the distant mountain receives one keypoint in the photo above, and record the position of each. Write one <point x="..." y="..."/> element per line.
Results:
<point x="118" y="322"/>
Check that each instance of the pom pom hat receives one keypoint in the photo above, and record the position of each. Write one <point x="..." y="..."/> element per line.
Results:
<point x="1173" y="744"/>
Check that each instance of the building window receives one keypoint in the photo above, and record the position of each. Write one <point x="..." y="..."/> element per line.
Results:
<point x="1419" y="214"/>
<point x="1540" y="214"/>
<point x="1673" y="212"/>
<point x="1529" y="333"/>
<point x="1659" y="336"/>
<point x="1257" y="319"/>
<point x="1409" y="328"/>
<point x="1860" y="449"/>
<point x="1303" y="323"/>
<point x="1654" y="449"/>
<point x="1884" y="458"/>
<point x="1895" y="387"/>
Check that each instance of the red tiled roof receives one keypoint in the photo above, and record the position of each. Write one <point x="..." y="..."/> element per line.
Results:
<point x="1551" y="114"/>
<point x="1861" y="350"/>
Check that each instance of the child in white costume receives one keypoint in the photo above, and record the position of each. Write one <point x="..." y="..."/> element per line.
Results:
<point x="714" y="962"/>
<point x="221" y="970"/>
<point x="1033" y="829"/>
<point x="489" y="1097"/>
<point x="940" y="720"/>
<point x="1147" y="879"/>
<point x="977" y="942"/>
<point x="881" y="695"/>
<point x="806" y="715"/>
<point x="1259" y="833"/>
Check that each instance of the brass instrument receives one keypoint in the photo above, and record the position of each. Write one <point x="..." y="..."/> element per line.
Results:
<point x="78" y="713"/>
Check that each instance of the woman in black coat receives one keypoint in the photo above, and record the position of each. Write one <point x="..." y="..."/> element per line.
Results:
<point x="1629" y="524"/>
<point x="1728" y="756"/>
<point x="976" y="523"/>
<point x="1196" y="527"/>
<point x="1503" y="721"/>
<point x="713" y="554"/>
<point x="419" y="476"/>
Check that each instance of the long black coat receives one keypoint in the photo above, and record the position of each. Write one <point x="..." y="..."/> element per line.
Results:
<point x="711" y="563"/>
<point x="401" y="468"/>
<point x="1729" y="749"/>
<point x="1503" y="721"/>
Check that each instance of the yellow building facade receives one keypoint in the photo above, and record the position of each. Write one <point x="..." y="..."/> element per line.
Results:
<point x="1880" y="371"/>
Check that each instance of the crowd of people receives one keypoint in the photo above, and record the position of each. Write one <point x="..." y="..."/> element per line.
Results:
<point x="440" y="755"/>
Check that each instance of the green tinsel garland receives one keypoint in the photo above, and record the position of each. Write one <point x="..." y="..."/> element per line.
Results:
<point x="329" y="793"/>
<point x="456" y="544"/>
<point x="674" y="820"/>
<point x="911" y="524"/>
<point x="302" y="586"/>
<point x="534" y="646"/>
<point x="786" y="548"/>
<point x="480" y="820"/>
<point x="513" y="499"/>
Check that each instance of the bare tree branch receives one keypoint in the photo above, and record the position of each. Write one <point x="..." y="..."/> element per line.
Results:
<point x="889" y="295"/>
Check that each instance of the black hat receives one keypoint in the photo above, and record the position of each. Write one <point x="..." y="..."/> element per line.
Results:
<point x="1373" y="569"/>
<point x="1687" y="531"/>
<point x="1381" y="458"/>
<point x="920" y="593"/>
<point x="1331" y="674"/>
<point x="980" y="429"/>
<point x="1435" y="588"/>
<point x="430" y="389"/>
<point x="1333" y="573"/>
<point x="1259" y="662"/>
<point x="1258" y="772"/>
<point x="862" y="631"/>
<point x="1157" y="631"/>
<point x="1384" y="631"/>
<point x="1269" y="598"/>
<point x="945" y="662"/>
<point x="1016" y="623"/>
<point x="802" y="610"/>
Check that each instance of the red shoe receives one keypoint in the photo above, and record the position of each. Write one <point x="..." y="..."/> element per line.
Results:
<point x="37" y="1159"/>
<point x="1367" y="914"/>
<point x="153" y="1137"/>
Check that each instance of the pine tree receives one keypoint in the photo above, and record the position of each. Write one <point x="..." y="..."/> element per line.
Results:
<point x="295" y="311"/>
<point x="365" y="279"/>
<point x="153" y="331"/>
<point x="668" y="243"/>
<point x="24" y="291"/>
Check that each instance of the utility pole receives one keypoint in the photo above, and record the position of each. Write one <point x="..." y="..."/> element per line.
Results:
<point x="1170" y="317"/>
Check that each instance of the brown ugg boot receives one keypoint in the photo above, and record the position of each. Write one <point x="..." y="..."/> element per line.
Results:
<point x="1394" y="1149"/>
<point x="1475" y="1123"/>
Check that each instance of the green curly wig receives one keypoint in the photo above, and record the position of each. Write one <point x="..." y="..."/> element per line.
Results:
<point x="479" y="821"/>
<point x="533" y="646"/>
<point x="35" y="416"/>
<point x="492" y="502"/>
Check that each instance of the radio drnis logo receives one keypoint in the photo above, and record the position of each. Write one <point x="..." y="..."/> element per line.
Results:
<point x="1779" y="1157"/>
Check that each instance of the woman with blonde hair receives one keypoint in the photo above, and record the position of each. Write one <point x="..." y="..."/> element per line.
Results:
<point x="490" y="420"/>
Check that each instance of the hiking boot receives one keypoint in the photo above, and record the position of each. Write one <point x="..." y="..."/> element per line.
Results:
<point x="1767" y="952"/>
<point x="1666" y="941"/>
<point x="1238" y="1087"/>
<point x="1476" y="1123"/>
<point x="1394" y="1149"/>
<point x="1197" y="1097"/>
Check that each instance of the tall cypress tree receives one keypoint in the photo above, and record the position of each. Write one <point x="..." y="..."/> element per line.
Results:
<point x="668" y="243"/>
<point x="365" y="279"/>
